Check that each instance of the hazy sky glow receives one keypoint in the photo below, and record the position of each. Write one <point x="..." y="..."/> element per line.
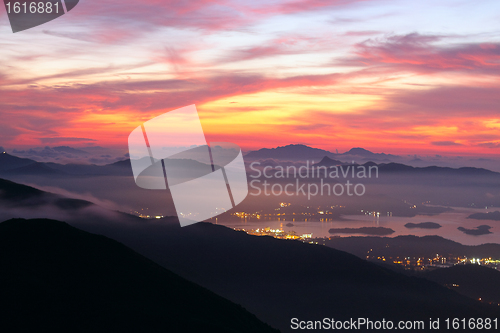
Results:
<point x="390" y="76"/>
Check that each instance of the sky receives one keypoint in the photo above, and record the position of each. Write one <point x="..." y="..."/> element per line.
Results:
<point x="400" y="77"/>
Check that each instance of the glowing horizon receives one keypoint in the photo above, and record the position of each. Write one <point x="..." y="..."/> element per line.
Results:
<point x="399" y="77"/>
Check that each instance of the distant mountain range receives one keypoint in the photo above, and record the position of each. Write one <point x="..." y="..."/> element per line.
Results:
<point x="15" y="166"/>
<point x="56" y="278"/>
<point x="303" y="152"/>
<point x="385" y="162"/>
<point x="402" y="168"/>
<point x="291" y="152"/>
<point x="294" y="152"/>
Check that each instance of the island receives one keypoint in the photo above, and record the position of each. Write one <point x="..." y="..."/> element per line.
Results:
<point x="378" y="231"/>
<point x="495" y="216"/>
<point x="423" y="225"/>
<point x="481" y="230"/>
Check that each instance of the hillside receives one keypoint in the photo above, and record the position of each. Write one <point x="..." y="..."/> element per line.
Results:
<point x="274" y="279"/>
<point x="279" y="279"/>
<point x="474" y="281"/>
<point x="56" y="278"/>
<point x="411" y="246"/>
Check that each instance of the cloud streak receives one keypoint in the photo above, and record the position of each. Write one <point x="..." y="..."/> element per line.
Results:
<point x="419" y="53"/>
<point x="261" y="74"/>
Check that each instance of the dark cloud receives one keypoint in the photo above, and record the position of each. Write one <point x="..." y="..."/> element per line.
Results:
<point x="445" y="143"/>
<point x="64" y="139"/>
<point x="490" y="144"/>
<point x="419" y="53"/>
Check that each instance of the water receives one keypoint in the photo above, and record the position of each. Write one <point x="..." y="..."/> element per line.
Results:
<point x="449" y="222"/>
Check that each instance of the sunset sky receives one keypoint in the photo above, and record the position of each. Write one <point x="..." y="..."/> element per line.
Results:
<point x="415" y="77"/>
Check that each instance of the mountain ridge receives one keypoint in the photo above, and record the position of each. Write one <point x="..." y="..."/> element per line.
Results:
<point x="13" y="165"/>
<point x="70" y="280"/>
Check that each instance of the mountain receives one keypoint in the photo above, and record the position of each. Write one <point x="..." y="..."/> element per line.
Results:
<point x="360" y="152"/>
<point x="474" y="281"/>
<point x="328" y="162"/>
<point x="281" y="279"/>
<point x="398" y="168"/>
<point x="411" y="246"/>
<point x="8" y="162"/>
<point x="70" y="150"/>
<point x="56" y="278"/>
<point x="13" y="165"/>
<point x="464" y="171"/>
<point x="274" y="279"/>
<point x="495" y="216"/>
<point x="395" y="167"/>
<point x="22" y="195"/>
<point x="121" y="164"/>
<point x="12" y="193"/>
<point x="18" y="200"/>
<point x="289" y="152"/>
<point x="303" y="152"/>
<point x="35" y="168"/>
<point x="120" y="168"/>
<point x="366" y="154"/>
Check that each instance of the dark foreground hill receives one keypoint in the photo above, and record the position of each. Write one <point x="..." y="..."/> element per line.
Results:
<point x="475" y="281"/>
<point x="56" y="278"/>
<point x="279" y="279"/>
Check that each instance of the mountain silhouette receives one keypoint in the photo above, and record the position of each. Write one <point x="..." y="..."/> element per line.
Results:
<point x="23" y="196"/>
<point x="9" y="162"/>
<point x="328" y="162"/>
<point x="274" y="279"/>
<point x="70" y="150"/>
<point x="15" y="166"/>
<point x="495" y="216"/>
<point x="281" y="279"/>
<point x="464" y="171"/>
<point x="290" y="152"/>
<point x="35" y="168"/>
<point x="360" y="152"/>
<point x="56" y="278"/>
<point x="474" y="281"/>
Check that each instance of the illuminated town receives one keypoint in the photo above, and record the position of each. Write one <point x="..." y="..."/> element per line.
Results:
<point x="285" y="213"/>
<point x="411" y="263"/>
<point x="422" y="263"/>
<point x="288" y="212"/>
<point x="276" y="233"/>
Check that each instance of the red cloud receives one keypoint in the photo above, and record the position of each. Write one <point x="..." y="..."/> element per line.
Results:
<point x="287" y="44"/>
<point x="418" y="53"/>
<point x="446" y="143"/>
<point x="312" y="5"/>
<point x="55" y="111"/>
<point x="113" y="21"/>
